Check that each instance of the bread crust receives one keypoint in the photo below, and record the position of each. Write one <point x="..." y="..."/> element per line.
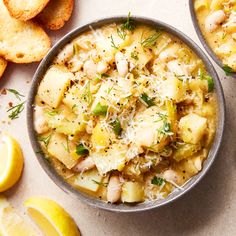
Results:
<point x="3" y="66"/>
<point x="21" y="42"/>
<point x="21" y="10"/>
<point x="56" y="13"/>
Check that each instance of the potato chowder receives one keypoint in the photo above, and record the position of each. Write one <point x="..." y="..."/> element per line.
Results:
<point x="126" y="113"/>
<point x="217" y="21"/>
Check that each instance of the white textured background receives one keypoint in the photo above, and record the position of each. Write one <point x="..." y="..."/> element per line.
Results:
<point x="209" y="209"/>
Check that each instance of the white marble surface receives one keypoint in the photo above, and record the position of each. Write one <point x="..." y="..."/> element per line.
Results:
<point x="209" y="209"/>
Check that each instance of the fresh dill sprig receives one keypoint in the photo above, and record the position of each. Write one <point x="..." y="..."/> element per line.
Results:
<point x="100" y="183"/>
<point x="113" y="43"/>
<point x="45" y="140"/>
<point x="121" y="33"/>
<point x="129" y="24"/>
<point x="150" y="41"/>
<point x="16" y="93"/>
<point x="15" y="111"/>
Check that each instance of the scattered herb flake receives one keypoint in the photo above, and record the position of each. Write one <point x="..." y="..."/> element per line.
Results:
<point x="117" y="127"/>
<point x="75" y="49"/>
<point x="227" y="69"/>
<point x="146" y="100"/>
<point x="104" y="75"/>
<point x="100" y="183"/>
<point x="134" y="55"/>
<point x="44" y="139"/>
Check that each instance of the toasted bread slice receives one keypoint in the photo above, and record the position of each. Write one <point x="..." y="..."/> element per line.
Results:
<point x="56" y="13"/>
<point x="21" y="42"/>
<point x="25" y="9"/>
<point x="3" y="65"/>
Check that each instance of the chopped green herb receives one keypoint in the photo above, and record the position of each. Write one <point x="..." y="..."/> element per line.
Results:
<point x="81" y="150"/>
<point x="44" y="139"/>
<point x="134" y="55"/>
<point x="100" y="110"/>
<point x="73" y="107"/>
<point x="16" y="93"/>
<point x="52" y="113"/>
<point x="150" y="41"/>
<point x="224" y="35"/>
<point x="104" y="75"/>
<point x="210" y="83"/>
<point x="157" y="181"/>
<point x="227" y="69"/>
<point x="146" y="100"/>
<point x="75" y="49"/>
<point x="67" y="147"/>
<point x="15" y="111"/>
<point x="117" y="127"/>
<point x="100" y="183"/>
<point x="208" y="78"/>
<point x="113" y="43"/>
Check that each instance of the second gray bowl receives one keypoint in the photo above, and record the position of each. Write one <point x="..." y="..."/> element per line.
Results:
<point x="84" y="197"/>
<point x="202" y="38"/>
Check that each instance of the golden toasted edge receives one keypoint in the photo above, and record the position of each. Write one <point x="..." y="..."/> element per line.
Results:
<point x="3" y="65"/>
<point x="33" y="58"/>
<point x="24" y="15"/>
<point x="55" y="21"/>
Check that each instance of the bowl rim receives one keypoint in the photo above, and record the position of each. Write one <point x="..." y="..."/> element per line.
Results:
<point x="96" y="203"/>
<point x="203" y="40"/>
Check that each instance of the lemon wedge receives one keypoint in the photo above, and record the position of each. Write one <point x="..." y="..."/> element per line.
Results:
<point x="11" y="160"/>
<point x="12" y="223"/>
<point x="51" y="218"/>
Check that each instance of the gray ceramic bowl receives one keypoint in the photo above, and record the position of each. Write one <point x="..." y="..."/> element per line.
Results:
<point x="202" y="39"/>
<point x="90" y="200"/>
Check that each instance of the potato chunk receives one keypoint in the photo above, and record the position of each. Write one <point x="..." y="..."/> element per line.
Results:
<point x="112" y="159"/>
<point x="148" y="129"/>
<point x="101" y="136"/>
<point x="132" y="192"/>
<point x="54" y="85"/>
<point x="57" y="147"/>
<point x="192" y="127"/>
<point x="89" y="180"/>
<point x="173" y="88"/>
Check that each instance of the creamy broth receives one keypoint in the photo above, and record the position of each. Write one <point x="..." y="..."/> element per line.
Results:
<point x="217" y="21"/>
<point x="126" y="113"/>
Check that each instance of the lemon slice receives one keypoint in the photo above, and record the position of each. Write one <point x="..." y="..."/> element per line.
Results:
<point x="12" y="223"/>
<point x="11" y="160"/>
<point x="51" y="218"/>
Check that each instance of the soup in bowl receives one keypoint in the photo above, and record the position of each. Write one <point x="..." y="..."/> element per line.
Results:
<point x="126" y="113"/>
